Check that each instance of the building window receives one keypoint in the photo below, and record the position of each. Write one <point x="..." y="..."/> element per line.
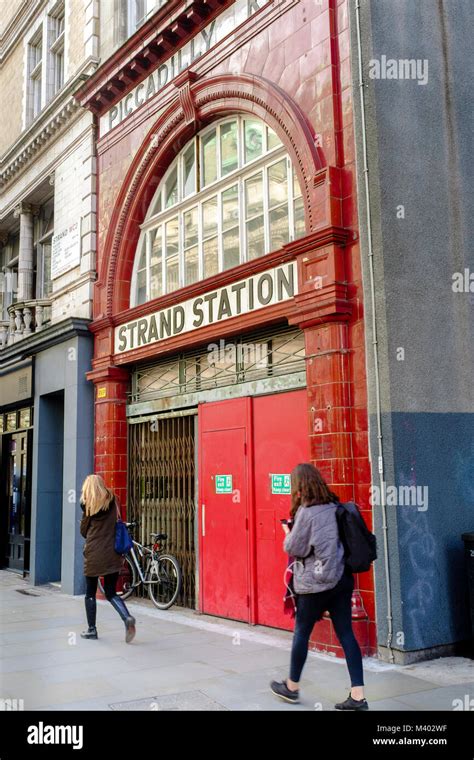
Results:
<point x="35" y="75"/>
<point x="230" y="196"/>
<point x="45" y="63"/>
<point x="130" y="15"/>
<point x="9" y="274"/>
<point x="44" y="229"/>
<point x="56" y="51"/>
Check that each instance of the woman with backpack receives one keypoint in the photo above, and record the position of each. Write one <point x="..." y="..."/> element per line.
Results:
<point x="321" y="582"/>
<point x="100" y="558"/>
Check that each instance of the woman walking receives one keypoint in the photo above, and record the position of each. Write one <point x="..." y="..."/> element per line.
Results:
<point x="100" y="558"/>
<point x="321" y="582"/>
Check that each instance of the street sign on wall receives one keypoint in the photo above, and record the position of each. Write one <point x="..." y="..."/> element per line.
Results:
<point x="66" y="250"/>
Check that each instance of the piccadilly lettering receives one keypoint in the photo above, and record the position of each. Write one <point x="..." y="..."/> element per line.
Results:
<point x="194" y="49"/>
<point x="270" y="287"/>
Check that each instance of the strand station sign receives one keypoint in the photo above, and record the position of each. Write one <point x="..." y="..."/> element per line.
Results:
<point x="264" y="289"/>
<point x="219" y="28"/>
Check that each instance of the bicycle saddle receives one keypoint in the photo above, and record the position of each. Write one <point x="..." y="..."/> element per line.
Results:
<point x="159" y="536"/>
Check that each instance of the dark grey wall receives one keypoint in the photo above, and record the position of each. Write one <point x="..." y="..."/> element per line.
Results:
<point x="421" y="156"/>
<point x="49" y="490"/>
<point x="62" y="368"/>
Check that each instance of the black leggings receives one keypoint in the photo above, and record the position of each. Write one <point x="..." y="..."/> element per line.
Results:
<point x="110" y="584"/>
<point x="310" y="608"/>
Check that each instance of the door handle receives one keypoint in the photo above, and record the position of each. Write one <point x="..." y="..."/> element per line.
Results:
<point x="203" y="519"/>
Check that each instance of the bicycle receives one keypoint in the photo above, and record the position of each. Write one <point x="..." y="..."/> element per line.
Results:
<point x="146" y="564"/>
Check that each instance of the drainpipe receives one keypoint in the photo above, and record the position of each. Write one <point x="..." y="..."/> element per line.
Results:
<point x="374" y="340"/>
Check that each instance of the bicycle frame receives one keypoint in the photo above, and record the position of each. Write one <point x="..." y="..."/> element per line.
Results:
<point x="143" y="551"/>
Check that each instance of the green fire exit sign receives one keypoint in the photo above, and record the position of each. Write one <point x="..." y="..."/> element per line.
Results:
<point x="281" y="484"/>
<point x="223" y="483"/>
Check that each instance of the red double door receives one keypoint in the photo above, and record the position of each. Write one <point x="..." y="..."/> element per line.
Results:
<point x="242" y="444"/>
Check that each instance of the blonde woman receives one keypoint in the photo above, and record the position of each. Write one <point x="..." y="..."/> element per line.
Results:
<point x="100" y="558"/>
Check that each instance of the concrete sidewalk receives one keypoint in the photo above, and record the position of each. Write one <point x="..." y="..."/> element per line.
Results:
<point x="180" y="660"/>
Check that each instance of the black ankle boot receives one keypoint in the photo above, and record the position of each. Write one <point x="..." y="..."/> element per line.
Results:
<point x="119" y="605"/>
<point x="91" y="611"/>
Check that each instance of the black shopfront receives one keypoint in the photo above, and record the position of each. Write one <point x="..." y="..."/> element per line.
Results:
<point x="16" y="439"/>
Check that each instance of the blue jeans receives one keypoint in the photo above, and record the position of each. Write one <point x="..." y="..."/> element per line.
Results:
<point x="310" y="608"/>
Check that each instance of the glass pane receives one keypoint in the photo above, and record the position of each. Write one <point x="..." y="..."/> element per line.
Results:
<point x="171" y="188"/>
<point x="209" y="217"/>
<point x="141" y="286"/>
<point x="47" y="284"/>
<point x="299" y="218"/>
<point x="278" y="227"/>
<point x="142" y="261"/>
<point x="254" y="196"/>
<point x="172" y="274"/>
<point x="253" y="147"/>
<point x="47" y="217"/>
<point x="229" y="157"/>
<point x="172" y="258"/>
<point x="172" y="237"/>
<point x="156" y="281"/>
<point x="277" y="183"/>
<point x="273" y="141"/>
<point x="157" y="207"/>
<point x="255" y="238"/>
<point x="231" y="248"/>
<point x="191" y="273"/>
<point x="296" y="185"/>
<point x="191" y="227"/>
<point x="209" y="159"/>
<point x="25" y="418"/>
<point x="156" y="247"/>
<point x="189" y="169"/>
<point x="230" y="207"/>
<point x="211" y="264"/>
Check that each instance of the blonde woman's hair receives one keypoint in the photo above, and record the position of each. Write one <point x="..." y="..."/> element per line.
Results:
<point x="95" y="495"/>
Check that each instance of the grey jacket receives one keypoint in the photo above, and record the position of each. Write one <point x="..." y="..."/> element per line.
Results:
<point x="315" y="544"/>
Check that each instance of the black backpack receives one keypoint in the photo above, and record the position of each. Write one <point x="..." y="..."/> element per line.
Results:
<point x="360" y="546"/>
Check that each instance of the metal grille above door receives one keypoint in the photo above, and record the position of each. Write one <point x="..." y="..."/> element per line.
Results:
<point x="263" y="356"/>
<point x="162" y="488"/>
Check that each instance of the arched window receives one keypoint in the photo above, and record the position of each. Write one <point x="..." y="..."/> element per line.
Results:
<point x="229" y="196"/>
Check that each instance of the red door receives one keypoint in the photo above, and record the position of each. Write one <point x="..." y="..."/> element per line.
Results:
<point x="280" y="442"/>
<point x="224" y="509"/>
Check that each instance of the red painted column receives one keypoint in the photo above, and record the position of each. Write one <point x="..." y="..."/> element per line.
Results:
<point x="330" y="394"/>
<point x="110" y="454"/>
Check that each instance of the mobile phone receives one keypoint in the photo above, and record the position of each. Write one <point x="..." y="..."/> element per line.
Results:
<point x="284" y="522"/>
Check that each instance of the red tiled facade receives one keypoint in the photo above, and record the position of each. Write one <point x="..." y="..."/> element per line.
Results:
<point x="288" y="65"/>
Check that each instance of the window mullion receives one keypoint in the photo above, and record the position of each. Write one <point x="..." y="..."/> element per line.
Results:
<point x="291" y="208"/>
<point x="181" y="277"/>
<point x="220" y="252"/>
<point x="218" y="152"/>
<point x="242" y="225"/>
<point x="200" y="242"/>
<point x="163" y="255"/>
<point x="148" y="263"/>
<point x="266" y="210"/>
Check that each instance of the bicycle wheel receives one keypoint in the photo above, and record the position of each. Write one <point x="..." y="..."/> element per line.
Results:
<point x="126" y="580"/>
<point x="166" y="579"/>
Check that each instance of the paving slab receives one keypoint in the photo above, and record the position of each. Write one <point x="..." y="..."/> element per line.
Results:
<point x="182" y="660"/>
